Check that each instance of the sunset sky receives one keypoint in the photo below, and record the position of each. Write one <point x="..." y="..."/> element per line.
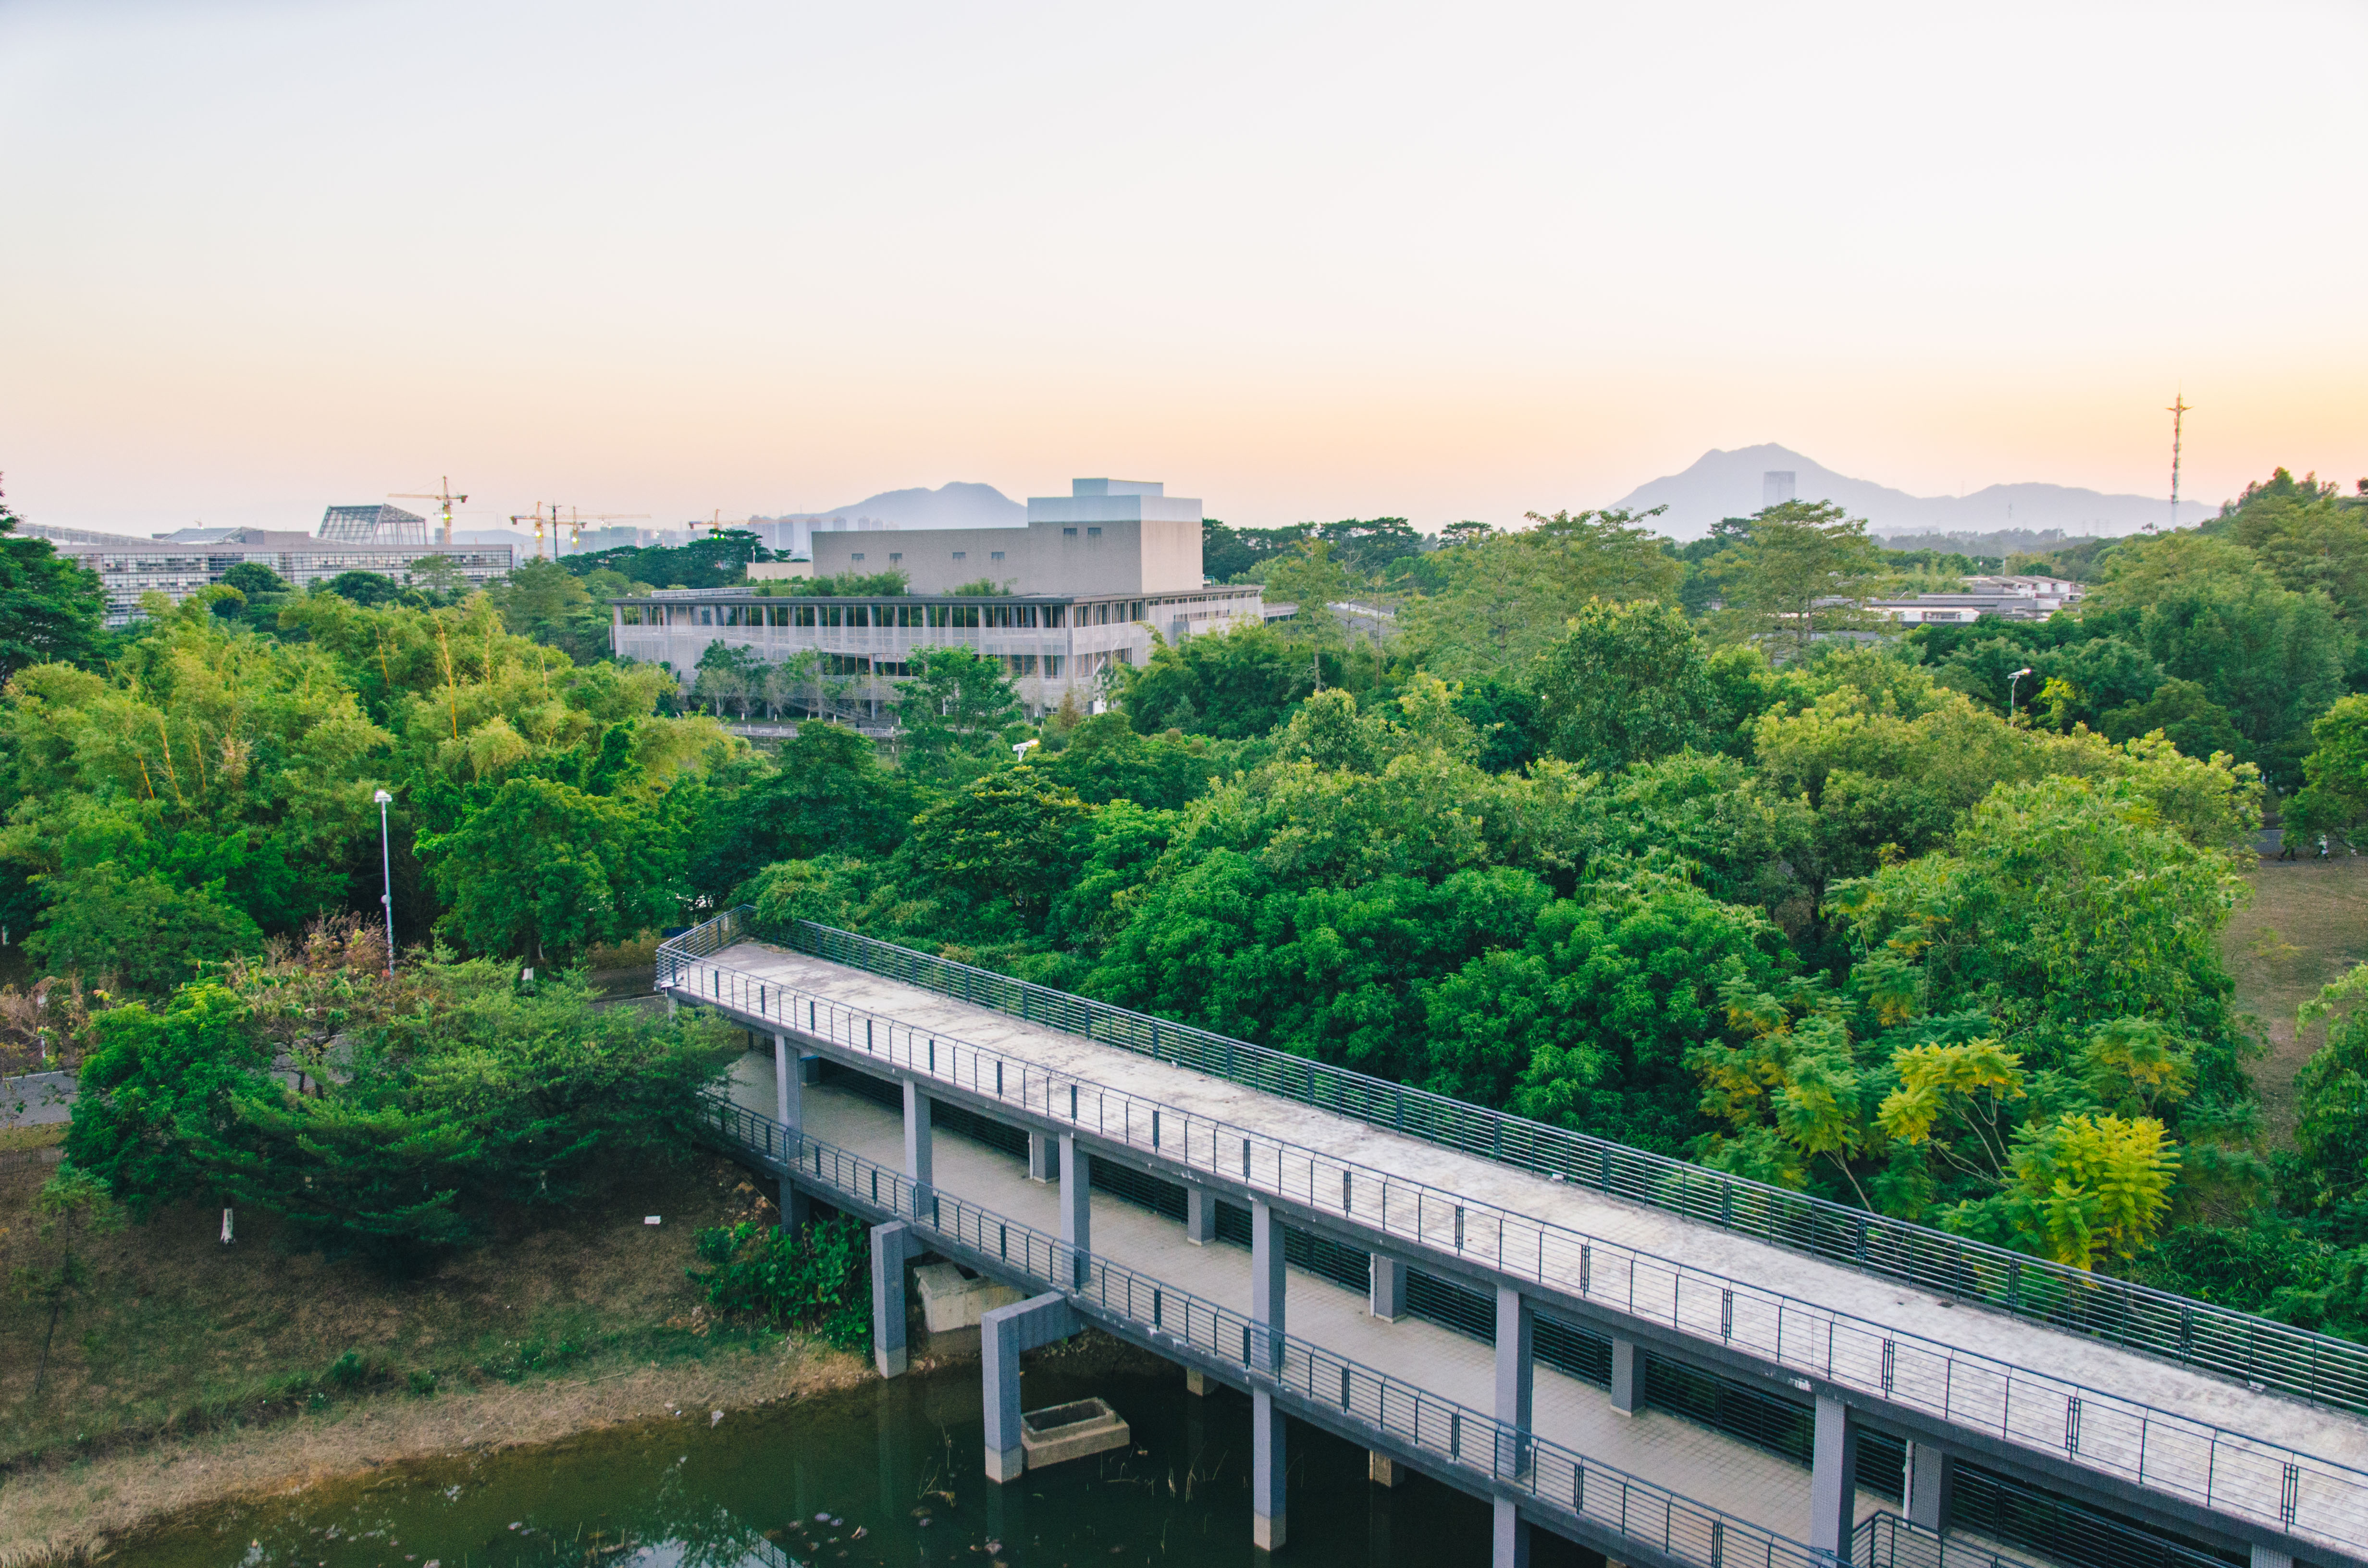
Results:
<point x="1303" y="261"/>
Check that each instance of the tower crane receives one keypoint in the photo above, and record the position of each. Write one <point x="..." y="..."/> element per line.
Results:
<point x="445" y="495"/>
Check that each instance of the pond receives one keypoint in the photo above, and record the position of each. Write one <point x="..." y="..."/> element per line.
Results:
<point x="885" y="1474"/>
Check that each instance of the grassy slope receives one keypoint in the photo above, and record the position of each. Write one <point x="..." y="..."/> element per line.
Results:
<point x="2307" y="924"/>
<point x="177" y="1331"/>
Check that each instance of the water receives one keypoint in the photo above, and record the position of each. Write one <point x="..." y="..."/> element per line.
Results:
<point x="885" y="1474"/>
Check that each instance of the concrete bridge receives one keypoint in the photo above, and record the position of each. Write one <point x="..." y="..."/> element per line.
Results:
<point x="2214" y="1437"/>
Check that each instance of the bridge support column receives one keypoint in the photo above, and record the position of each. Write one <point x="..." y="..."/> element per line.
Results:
<point x="1931" y="1486"/>
<point x="1076" y="1206"/>
<point x="1200" y="1215"/>
<point x="1516" y="1383"/>
<point x="1003" y="1334"/>
<point x="1268" y="1462"/>
<point x="1627" y="1376"/>
<point x="891" y="1245"/>
<point x="1039" y="1156"/>
<point x="1389" y="1274"/>
<point x="1833" y="1480"/>
<point x="789" y="1110"/>
<point x="1196" y="1381"/>
<point x="1509" y="1541"/>
<point x="919" y="1161"/>
<point x="1266" y="1283"/>
<point x="1384" y="1471"/>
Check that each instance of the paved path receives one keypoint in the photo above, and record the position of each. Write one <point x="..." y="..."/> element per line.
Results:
<point x="36" y="1099"/>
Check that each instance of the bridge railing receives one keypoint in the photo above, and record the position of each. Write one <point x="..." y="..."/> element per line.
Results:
<point x="2249" y="1477"/>
<point x="2315" y="1367"/>
<point x="1887" y="1540"/>
<point x="1447" y="1433"/>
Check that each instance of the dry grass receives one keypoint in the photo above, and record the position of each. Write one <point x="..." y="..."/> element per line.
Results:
<point x="190" y="1367"/>
<point x="2307" y="924"/>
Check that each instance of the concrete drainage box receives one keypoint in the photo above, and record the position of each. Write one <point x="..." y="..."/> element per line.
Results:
<point x="1067" y="1432"/>
<point x="952" y="1301"/>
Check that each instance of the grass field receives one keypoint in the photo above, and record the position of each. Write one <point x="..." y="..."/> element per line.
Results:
<point x="2307" y="924"/>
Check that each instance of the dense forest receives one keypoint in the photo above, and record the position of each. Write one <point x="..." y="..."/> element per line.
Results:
<point x="1671" y="844"/>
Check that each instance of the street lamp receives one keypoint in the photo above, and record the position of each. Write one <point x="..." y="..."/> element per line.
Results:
<point x="1020" y="752"/>
<point x="386" y="869"/>
<point x="2013" y="681"/>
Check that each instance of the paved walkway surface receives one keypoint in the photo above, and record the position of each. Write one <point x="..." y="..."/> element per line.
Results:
<point x="36" y="1099"/>
<point x="1690" y="1458"/>
<point x="2029" y="1347"/>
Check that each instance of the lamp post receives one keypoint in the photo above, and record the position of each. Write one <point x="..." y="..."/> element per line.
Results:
<point x="386" y="869"/>
<point x="2013" y="681"/>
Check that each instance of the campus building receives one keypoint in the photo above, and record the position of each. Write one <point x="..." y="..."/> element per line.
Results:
<point x="177" y="565"/>
<point x="1080" y="588"/>
<point x="2008" y="598"/>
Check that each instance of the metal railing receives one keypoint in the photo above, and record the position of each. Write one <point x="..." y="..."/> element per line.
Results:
<point x="2291" y="1361"/>
<point x="1447" y="1433"/>
<point x="1887" y="1540"/>
<point x="2248" y="1477"/>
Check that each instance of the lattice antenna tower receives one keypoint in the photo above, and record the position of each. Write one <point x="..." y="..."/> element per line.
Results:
<point x="2179" y="410"/>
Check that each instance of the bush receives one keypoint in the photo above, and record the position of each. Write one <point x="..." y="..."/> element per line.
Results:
<point x="819" y="1280"/>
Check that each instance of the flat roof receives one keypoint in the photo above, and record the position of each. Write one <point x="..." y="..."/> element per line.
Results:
<point x="753" y="595"/>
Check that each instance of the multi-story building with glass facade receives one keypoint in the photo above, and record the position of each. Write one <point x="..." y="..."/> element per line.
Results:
<point x="1080" y="588"/>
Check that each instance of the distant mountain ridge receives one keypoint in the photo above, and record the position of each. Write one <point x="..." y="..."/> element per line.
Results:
<point x="958" y="504"/>
<point x="1729" y="484"/>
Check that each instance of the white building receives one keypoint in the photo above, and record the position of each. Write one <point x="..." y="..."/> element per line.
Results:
<point x="2008" y="598"/>
<point x="1081" y="587"/>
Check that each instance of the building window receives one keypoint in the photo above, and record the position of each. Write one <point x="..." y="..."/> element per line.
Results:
<point x="856" y="556"/>
<point x="962" y="555"/>
<point x="1051" y="665"/>
<point x="1093" y="533"/>
<point x="1068" y="533"/>
<point x="994" y="556"/>
<point x="895" y="556"/>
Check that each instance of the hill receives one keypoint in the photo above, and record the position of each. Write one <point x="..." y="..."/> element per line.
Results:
<point x="1731" y="484"/>
<point x="958" y="504"/>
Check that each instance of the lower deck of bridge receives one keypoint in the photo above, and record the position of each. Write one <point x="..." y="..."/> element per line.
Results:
<point x="1667" y="1450"/>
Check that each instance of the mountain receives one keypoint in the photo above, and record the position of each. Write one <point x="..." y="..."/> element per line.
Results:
<point x="956" y="505"/>
<point x="1732" y="485"/>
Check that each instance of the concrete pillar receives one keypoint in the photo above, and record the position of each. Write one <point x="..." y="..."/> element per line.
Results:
<point x="2272" y="1556"/>
<point x="1384" y="1471"/>
<point x="1196" y="1381"/>
<point x="918" y="1163"/>
<point x="1200" y="1215"/>
<point x="1627" y="1376"/>
<point x="1389" y="1290"/>
<point x="1266" y="1280"/>
<point x="670" y="1004"/>
<point x="1077" y="1205"/>
<point x="790" y="1111"/>
<point x="1508" y="1538"/>
<point x="1039" y="1156"/>
<point x="1931" y="1486"/>
<point x="1515" y="1378"/>
<point x="891" y="1245"/>
<point x="1833" y="1480"/>
<point x="1003" y="1334"/>
<point x="1268" y="1462"/>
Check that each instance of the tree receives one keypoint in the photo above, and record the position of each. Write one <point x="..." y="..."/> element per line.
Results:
<point x="2335" y="797"/>
<point x="546" y="869"/>
<point x="1006" y="834"/>
<point x="823" y="793"/>
<point x="51" y="608"/>
<point x="1799" y="559"/>
<point x="1105" y="760"/>
<point x="138" y="930"/>
<point x="729" y="673"/>
<point x="1231" y="555"/>
<point x="1311" y="580"/>
<point x="545" y="601"/>
<point x="73" y="1207"/>
<point x="1507" y="594"/>
<point x="1625" y="683"/>
<point x="371" y="590"/>
<point x="953" y="709"/>
<point x="2331" y="1109"/>
<point x="1232" y="685"/>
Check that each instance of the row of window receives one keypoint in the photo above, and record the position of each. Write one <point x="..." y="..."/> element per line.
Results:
<point x="1014" y="665"/>
<point x="1009" y="618"/>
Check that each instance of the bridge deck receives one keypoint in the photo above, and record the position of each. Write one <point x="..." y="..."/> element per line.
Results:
<point x="1744" y="1481"/>
<point x="2023" y="1344"/>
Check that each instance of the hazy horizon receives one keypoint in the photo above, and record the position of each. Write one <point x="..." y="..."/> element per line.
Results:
<point x="265" y="257"/>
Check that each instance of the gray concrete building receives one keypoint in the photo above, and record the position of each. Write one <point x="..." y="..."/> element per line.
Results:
<point x="1082" y="588"/>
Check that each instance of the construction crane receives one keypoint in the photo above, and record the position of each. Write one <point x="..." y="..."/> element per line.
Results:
<point x="444" y="495"/>
<point x="574" y="522"/>
<point x="716" y="525"/>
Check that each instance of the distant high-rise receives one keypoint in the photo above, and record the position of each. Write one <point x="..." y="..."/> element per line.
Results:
<point x="1775" y="487"/>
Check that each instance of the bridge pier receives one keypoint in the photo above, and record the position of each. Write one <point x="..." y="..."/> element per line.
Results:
<point x="789" y="1110"/>
<point x="1076" y="1206"/>
<point x="1931" y="1486"/>
<point x="1516" y="1385"/>
<point x="1200" y="1215"/>
<point x="1388" y="1287"/>
<point x="1266" y="1283"/>
<point x="1003" y="1334"/>
<point x="1384" y="1471"/>
<point x="1268" y="1462"/>
<point x="1833" y="1480"/>
<point x="892" y="1245"/>
<point x="919" y="1162"/>
<point x="1508" y="1538"/>
<point x="1039" y="1156"/>
<point x="1627" y="1375"/>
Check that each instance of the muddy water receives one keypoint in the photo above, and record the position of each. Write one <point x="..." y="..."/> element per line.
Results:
<point x="887" y="1473"/>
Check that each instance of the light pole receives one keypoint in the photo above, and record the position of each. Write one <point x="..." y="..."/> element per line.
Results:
<point x="2013" y="681"/>
<point x="386" y="869"/>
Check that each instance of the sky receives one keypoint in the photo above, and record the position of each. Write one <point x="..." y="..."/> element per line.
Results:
<point x="1304" y="261"/>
